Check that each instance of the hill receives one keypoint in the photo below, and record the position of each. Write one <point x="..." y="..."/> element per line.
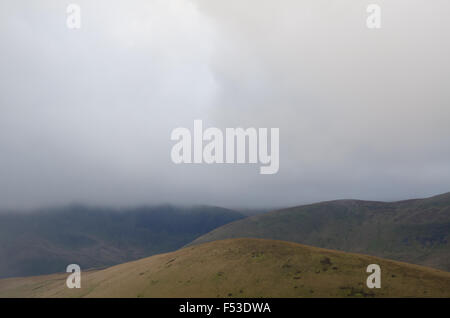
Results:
<point x="242" y="268"/>
<point x="46" y="241"/>
<point x="414" y="231"/>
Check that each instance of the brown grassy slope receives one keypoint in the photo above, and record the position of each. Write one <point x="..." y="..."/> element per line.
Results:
<point x="242" y="268"/>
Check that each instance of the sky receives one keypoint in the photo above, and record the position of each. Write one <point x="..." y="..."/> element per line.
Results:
<point x="86" y="114"/>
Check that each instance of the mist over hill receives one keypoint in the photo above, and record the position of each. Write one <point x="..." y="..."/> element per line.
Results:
<point x="46" y="241"/>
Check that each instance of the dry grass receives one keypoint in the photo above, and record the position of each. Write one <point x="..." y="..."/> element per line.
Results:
<point x="242" y="268"/>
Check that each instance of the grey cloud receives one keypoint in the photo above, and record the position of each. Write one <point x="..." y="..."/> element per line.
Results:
<point x="86" y="115"/>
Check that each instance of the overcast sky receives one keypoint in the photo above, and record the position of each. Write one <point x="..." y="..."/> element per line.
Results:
<point x="86" y="115"/>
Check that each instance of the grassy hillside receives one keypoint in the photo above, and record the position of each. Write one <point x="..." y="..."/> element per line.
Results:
<point x="414" y="231"/>
<point x="242" y="268"/>
<point x="47" y="241"/>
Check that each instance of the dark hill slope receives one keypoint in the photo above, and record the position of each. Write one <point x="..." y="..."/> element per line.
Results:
<point x="414" y="231"/>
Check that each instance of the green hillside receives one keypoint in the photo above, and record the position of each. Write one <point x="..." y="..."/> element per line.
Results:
<point x="242" y="268"/>
<point x="414" y="231"/>
<point x="45" y="242"/>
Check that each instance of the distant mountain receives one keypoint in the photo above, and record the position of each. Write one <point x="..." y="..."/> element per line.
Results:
<point x="414" y="231"/>
<point x="47" y="241"/>
<point x="242" y="268"/>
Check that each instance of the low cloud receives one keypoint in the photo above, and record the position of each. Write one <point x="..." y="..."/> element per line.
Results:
<point x="86" y="115"/>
